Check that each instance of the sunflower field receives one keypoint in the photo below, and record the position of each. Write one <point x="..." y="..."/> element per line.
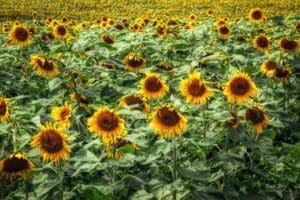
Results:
<point x="198" y="104"/>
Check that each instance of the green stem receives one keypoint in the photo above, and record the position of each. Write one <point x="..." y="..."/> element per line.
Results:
<point x="61" y="185"/>
<point x="113" y="170"/>
<point x="75" y="89"/>
<point x="174" y="168"/>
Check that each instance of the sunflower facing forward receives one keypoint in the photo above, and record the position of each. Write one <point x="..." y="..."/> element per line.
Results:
<point x="62" y="115"/>
<point x="43" y="66"/>
<point x="282" y="74"/>
<point x="257" y="117"/>
<point x="19" y="35"/>
<point x="15" y="164"/>
<point x="289" y="45"/>
<point x="240" y="88"/>
<point x="261" y="43"/>
<point x="108" y="125"/>
<point x="256" y="15"/>
<point x="224" y="32"/>
<point x="60" y="31"/>
<point x="194" y="89"/>
<point x="268" y="67"/>
<point x="134" y="62"/>
<point x="53" y="144"/>
<point x="153" y="87"/>
<point x="168" y="123"/>
<point x="4" y="109"/>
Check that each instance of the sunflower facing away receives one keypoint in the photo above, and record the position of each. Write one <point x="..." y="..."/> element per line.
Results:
<point x="60" y="31"/>
<point x="108" y="125"/>
<point x="153" y="87"/>
<point x="261" y="43"/>
<point x="289" y="45"/>
<point x="120" y="143"/>
<point x="234" y="121"/>
<point x="168" y="123"/>
<point x="15" y="164"/>
<point x="4" y="109"/>
<point x="134" y="62"/>
<point x="194" y="89"/>
<point x="268" y="67"/>
<point x="52" y="142"/>
<point x="62" y="115"/>
<point x="135" y="100"/>
<point x="19" y="35"/>
<point x="256" y="15"/>
<point x="257" y="118"/>
<point x="44" y="66"/>
<point x="224" y="32"/>
<point x="282" y="74"/>
<point x="240" y="88"/>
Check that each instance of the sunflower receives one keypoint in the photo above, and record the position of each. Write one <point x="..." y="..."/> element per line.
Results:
<point x="134" y="62"/>
<point x="81" y="98"/>
<point x="15" y="164"/>
<point x="192" y="17"/>
<point x="44" y="67"/>
<point x="19" y="35"/>
<point x="168" y="123"/>
<point x="164" y="66"/>
<point x="282" y="74"/>
<point x="268" y="67"/>
<point x="120" y="26"/>
<point x="60" y="31"/>
<point x="257" y="117"/>
<point x="120" y="143"/>
<point x="52" y="142"/>
<point x="153" y="87"/>
<point x="134" y="100"/>
<point x="209" y="12"/>
<point x="62" y="115"/>
<point x="256" y="15"/>
<point x="261" y="42"/>
<point x="240" y="88"/>
<point x="107" y="124"/>
<point x="234" y="122"/>
<point x="4" y="109"/>
<point x="224" y="32"/>
<point x="289" y="45"/>
<point x="220" y="22"/>
<point x="107" y="39"/>
<point x="161" y="31"/>
<point x="194" y="89"/>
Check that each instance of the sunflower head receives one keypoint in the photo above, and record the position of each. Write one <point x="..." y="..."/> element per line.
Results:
<point x="62" y="115"/>
<point x="15" y="164"/>
<point x="164" y="66"/>
<point x="224" y="32"/>
<point x="134" y="62"/>
<point x="261" y="43"/>
<point x="240" y="88"/>
<point x="84" y="102"/>
<point x="107" y="39"/>
<point x="234" y="121"/>
<point x="120" y="26"/>
<point x="4" y="109"/>
<point x="256" y="15"/>
<point x="268" y="67"/>
<point x="60" y="31"/>
<point x="153" y="87"/>
<point x="192" y="17"/>
<point x="161" y="31"/>
<point x="120" y="144"/>
<point x="282" y="74"/>
<point x="256" y="116"/>
<point x="289" y="45"/>
<point x="44" y="66"/>
<point x="209" y="12"/>
<point x="220" y="22"/>
<point x="194" y="89"/>
<point x="19" y="35"/>
<point x="135" y="100"/>
<point x="52" y="142"/>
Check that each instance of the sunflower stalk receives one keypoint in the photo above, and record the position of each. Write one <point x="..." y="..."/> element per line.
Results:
<point x="113" y="169"/>
<point x="75" y="89"/>
<point x="174" y="168"/>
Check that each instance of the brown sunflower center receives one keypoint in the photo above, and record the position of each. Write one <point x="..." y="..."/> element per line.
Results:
<point x="132" y="100"/>
<point x="254" y="115"/>
<point x="48" y="65"/>
<point x="288" y="44"/>
<point x="271" y="65"/>
<point x="262" y="42"/>
<point x="64" y="114"/>
<point x="3" y="108"/>
<point x="135" y="62"/>
<point x="196" y="88"/>
<point x="168" y="117"/>
<point x="61" y="30"/>
<point x="257" y="15"/>
<point x="107" y="121"/>
<point x="224" y="30"/>
<point x="153" y="84"/>
<point x="239" y="86"/>
<point x="281" y="73"/>
<point x="21" y="34"/>
<point x="51" y="141"/>
<point x="108" y="39"/>
<point x="14" y="164"/>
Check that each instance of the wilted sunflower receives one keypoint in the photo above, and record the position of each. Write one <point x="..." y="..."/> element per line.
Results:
<point x="4" y="109"/>
<point x="19" y="35"/>
<point x="224" y="32"/>
<point x="134" y="100"/>
<point x="107" y="124"/>
<point x="194" y="89"/>
<point x="268" y="67"/>
<point x="256" y="15"/>
<point x="134" y="62"/>
<point x="52" y="142"/>
<point x="62" y="115"/>
<point x="168" y="123"/>
<point x="44" y="67"/>
<point x="261" y="43"/>
<point x="289" y="45"/>
<point x="15" y="164"/>
<point x="153" y="87"/>
<point x="257" y="118"/>
<point x="60" y="31"/>
<point x="282" y="74"/>
<point x="240" y="88"/>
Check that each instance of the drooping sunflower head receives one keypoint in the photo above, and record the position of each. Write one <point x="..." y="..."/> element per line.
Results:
<point x="261" y="43"/>
<point x="53" y="144"/>
<point x="107" y="124"/>
<point x="62" y="115"/>
<point x="164" y="66"/>
<point x="168" y="122"/>
<point x="268" y="67"/>
<point x="194" y="89"/>
<point x="134" y="62"/>
<point x="234" y="121"/>
<point x="224" y="32"/>
<point x="19" y="35"/>
<point x="153" y="87"/>
<point x="83" y="101"/>
<point x="240" y="88"/>
<point x="282" y="74"/>
<point x="4" y="109"/>
<point x="257" y="118"/>
<point x="119" y="144"/>
<point x="256" y="15"/>
<point x="60" y="31"/>
<point x="135" y="100"/>
<point x="15" y="164"/>
<point x="289" y="45"/>
<point x="43" y="66"/>
<point x="108" y="39"/>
